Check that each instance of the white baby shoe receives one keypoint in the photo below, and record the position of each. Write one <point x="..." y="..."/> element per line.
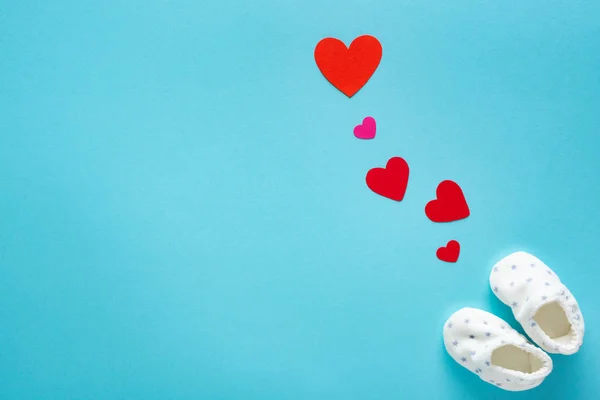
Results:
<point x="544" y="307"/>
<point x="489" y="347"/>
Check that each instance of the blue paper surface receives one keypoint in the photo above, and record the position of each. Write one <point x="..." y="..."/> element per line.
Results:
<point x="183" y="211"/>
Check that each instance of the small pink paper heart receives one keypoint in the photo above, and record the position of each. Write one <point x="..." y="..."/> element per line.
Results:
<point x="366" y="130"/>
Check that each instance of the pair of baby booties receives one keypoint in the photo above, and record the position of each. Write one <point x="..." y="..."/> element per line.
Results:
<point x="541" y="303"/>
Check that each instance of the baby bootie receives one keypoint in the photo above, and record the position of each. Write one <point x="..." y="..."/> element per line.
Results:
<point x="490" y="348"/>
<point x="540" y="302"/>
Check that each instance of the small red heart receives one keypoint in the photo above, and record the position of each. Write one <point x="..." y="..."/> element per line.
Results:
<point x="348" y="69"/>
<point x="390" y="181"/>
<point x="450" y="252"/>
<point x="450" y="204"/>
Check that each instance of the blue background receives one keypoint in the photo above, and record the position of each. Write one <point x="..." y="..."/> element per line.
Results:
<point x="183" y="213"/>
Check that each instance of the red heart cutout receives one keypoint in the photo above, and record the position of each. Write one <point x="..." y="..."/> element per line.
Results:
<point x="390" y="181"/>
<point x="348" y="69"/>
<point x="450" y="204"/>
<point x="450" y="252"/>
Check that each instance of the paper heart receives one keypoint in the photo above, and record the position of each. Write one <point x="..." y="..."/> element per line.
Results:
<point x="449" y="253"/>
<point x="348" y="69"/>
<point x="390" y="181"/>
<point x="450" y="204"/>
<point x="367" y="129"/>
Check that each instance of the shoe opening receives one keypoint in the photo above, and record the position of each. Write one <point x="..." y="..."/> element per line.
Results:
<point x="551" y="318"/>
<point x="516" y="359"/>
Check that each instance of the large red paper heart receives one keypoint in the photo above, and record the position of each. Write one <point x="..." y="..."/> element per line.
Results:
<point x="449" y="253"/>
<point x="390" y="181"/>
<point x="348" y="69"/>
<point x="450" y="204"/>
